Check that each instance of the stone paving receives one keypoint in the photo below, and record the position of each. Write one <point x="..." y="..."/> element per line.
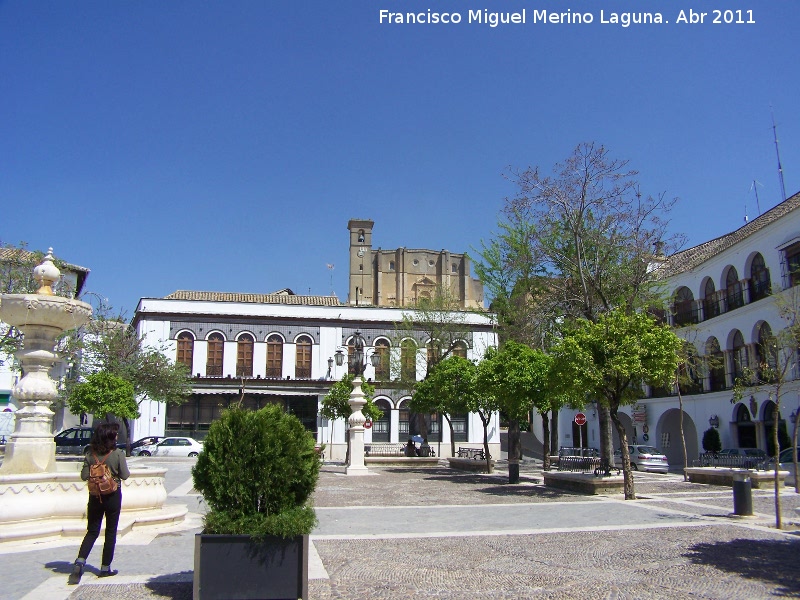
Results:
<point x="438" y="533"/>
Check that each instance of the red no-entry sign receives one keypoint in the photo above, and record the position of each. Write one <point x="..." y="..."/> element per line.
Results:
<point x="367" y="424"/>
<point x="580" y="419"/>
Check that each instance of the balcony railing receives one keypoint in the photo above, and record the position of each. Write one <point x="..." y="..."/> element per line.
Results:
<point x="213" y="370"/>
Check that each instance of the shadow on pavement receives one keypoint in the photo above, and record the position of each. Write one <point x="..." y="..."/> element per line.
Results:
<point x="166" y="586"/>
<point x="771" y="561"/>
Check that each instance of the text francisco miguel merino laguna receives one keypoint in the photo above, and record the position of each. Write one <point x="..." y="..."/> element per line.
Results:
<point x="494" y="19"/>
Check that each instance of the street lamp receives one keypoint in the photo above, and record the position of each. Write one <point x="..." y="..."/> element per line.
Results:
<point x="356" y="420"/>
<point x="356" y="359"/>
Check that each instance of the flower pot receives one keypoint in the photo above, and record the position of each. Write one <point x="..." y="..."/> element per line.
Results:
<point x="234" y="567"/>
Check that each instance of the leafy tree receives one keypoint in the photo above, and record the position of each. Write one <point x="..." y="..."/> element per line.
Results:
<point x="711" y="440"/>
<point x="610" y="359"/>
<point x="776" y="357"/>
<point x="336" y="405"/>
<point x="446" y="390"/>
<point x="576" y="244"/>
<point x="442" y="323"/>
<point x="104" y="394"/>
<point x="518" y="378"/>
<point x="257" y="472"/>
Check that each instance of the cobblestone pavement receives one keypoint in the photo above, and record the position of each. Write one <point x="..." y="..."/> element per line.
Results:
<point x="677" y="540"/>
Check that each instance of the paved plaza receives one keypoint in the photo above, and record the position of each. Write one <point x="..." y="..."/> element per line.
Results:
<point x="436" y="533"/>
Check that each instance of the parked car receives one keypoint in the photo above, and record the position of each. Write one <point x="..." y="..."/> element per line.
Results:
<point x="749" y="457"/>
<point x="172" y="446"/>
<point x="146" y="441"/>
<point x="644" y="458"/>
<point x="74" y="440"/>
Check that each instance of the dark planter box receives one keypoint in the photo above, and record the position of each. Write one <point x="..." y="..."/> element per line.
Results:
<point x="233" y="567"/>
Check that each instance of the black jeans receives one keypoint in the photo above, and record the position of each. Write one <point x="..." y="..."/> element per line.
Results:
<point x="109" y="508"/>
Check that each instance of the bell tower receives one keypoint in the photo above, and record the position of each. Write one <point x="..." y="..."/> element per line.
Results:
<point x="361" y="275"/>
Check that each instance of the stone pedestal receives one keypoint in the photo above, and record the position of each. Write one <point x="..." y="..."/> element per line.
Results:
<point x="356" y="421"/>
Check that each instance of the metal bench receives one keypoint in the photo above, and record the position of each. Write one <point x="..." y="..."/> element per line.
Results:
<point x="473" y="453"/>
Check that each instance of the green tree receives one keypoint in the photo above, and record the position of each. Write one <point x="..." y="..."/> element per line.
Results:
<point x="446" y="390"/>
<point x="110" y="345"/>
<point x="438" y="321"/>
<point x="104" y="394"/>
<point x="711" y="440"/>
<point x="518" y="378"/>
<point x="776" y="357"/>
<point x="335" y="404"/>
<point x="611" y="359"/>
<point x="576" y="244"/>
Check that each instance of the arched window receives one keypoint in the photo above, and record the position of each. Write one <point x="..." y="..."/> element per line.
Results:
<point x="715" y="365"/>
<point x="404" y="415"/>
<point x="684" y="308"/>
<point x="460" y="349"/>
<point x="302" y="366"/>
<point x="759" y="279"/>
<point x="434" y="353"/>
<point x="739" y="360"/>
<point x="733" y="290"/>
<point x="408" y="360"/>
<point x="766" y="354"/>
<point x="769" y="429"/>
<point x="710" y="301"/>
<point x="216" y="351"/>
<point x="275" y="356"/>
<point x="380" y="428"/>
<point x="185" y="349"/>
<point x="244" y="355"/>
<point x="382" y="370"/>
<point x="689" y="379"/>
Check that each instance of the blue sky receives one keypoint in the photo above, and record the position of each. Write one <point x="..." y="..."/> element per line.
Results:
<point x="224" y="145"/>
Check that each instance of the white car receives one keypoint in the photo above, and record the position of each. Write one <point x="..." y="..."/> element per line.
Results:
<point x="172" y="446"/>
<point x="786" y="463"/>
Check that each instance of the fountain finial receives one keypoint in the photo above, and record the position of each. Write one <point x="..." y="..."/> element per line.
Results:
<point x="46" y="274"/>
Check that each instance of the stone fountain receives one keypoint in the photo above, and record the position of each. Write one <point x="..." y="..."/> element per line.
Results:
<point x="39" y="497"/>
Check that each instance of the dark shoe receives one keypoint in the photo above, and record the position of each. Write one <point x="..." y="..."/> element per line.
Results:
<point x="109" y="573"/>
<point x="75" y="576"/>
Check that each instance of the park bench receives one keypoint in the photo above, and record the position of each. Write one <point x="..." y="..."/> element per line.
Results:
<point x="384" y="450"/>
<point x="473" y="453"/>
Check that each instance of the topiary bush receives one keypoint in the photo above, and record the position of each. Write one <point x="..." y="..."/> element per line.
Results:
<point x="711" y="440"/>
<point x="257" y="472"/>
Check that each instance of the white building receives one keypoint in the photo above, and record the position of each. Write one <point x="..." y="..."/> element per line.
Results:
<point x="724" y="295"/>
<point x="279" y="348"/>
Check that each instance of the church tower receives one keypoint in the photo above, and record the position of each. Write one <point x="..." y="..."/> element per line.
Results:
<point x="361" y="259"/>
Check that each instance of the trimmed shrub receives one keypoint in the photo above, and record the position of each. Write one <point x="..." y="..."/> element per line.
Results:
<point x="257" y="472"/>
<point x="712" y="441"/>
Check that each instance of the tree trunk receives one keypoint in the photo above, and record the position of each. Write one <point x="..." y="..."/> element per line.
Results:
<point x="794" y="454"/>
<point x="546" y="442"/>
<point x="485" y="421"/>
<point x="683" y="437"/>
<point x="630" y="493"/>
<point x="127" y="436"/>
<point x="422" y="427"/>
<point x="514" y="442"/>
<point x="553" y="431"/>
<point x="776" y="413"/>
<point x="452" y="439"/>
<point x="607" y="439"/>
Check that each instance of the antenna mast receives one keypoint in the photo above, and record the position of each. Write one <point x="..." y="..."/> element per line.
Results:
<point x="754" y="187"/>
<point x="778" y="152"/>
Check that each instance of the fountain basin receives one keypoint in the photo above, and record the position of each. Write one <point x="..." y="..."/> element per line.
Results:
<point x="50" y="311"/>
<point x="47" y="505"/>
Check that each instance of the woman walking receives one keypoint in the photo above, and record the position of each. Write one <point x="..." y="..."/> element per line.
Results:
<point x="102" y="450"/>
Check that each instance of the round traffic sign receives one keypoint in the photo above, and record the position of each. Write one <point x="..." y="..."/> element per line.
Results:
<point x="580" y="419"/>
<point x="367" y="424"/>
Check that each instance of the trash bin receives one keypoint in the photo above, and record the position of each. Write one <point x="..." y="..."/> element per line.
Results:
<point x="742" y="494"/>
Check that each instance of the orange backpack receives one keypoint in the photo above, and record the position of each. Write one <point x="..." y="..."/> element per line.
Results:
<point x="100" y="480"/>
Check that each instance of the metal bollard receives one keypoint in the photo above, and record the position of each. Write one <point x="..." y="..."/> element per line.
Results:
<point x="742" y="494"/>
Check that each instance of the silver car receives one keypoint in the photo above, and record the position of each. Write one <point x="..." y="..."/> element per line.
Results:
<point x="644" y="458"/>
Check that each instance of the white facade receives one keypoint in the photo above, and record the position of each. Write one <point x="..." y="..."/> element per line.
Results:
<point x="228" y="369"/>
<point x="711" y="302"/>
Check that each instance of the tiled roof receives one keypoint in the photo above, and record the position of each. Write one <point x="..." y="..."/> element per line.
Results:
<point x="690" y="258"/>
<point x="23" y="256"/>
<point x="281" y="297"/>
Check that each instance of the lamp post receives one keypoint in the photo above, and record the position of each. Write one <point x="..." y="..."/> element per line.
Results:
<point x="355" y="465"/>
